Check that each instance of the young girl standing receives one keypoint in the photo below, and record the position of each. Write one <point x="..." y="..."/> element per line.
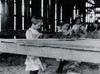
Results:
<point x="33" y="64"/>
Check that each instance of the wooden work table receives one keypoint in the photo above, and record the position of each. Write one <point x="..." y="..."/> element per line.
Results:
<point x="87" y="50"/>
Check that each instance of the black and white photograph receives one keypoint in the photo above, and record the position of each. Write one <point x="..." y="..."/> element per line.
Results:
<point x="49" y="36"/>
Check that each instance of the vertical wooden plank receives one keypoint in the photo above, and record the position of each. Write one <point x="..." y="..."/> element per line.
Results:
<point x="81" y="7"/>
<point x="0" y="14"/>
<point x="49" y="14"/>
<point x="7" y="18"/>
<point x="10" y="14"/>
<point x="36" y="8"/>
<point x="52" y="16"/>
<point x="58" y="11"/>
<point x="45" y="15"/>
<point x="3" y="17"/>
<point x="67" y="10"/>
<point x="19" y="14"/>
<point x="84" y="12"/>
<point x="27" y="22"/>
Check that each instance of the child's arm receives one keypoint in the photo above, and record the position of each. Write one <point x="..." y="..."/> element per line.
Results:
<point x="83" y="29"/>
<point x="39" y="35"/>
<point x="68" y="32"/>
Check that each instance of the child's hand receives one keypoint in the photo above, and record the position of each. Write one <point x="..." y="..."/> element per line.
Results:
<point x="39" y="35"/>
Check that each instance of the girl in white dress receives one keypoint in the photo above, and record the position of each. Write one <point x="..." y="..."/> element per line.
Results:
<point x="33" y="64"/>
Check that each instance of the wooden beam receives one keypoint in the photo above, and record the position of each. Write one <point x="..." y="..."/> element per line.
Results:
<point x="80" y="50"/>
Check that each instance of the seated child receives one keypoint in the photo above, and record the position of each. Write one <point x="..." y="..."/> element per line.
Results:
<point x="93" y="30"/>
<point x="78" y="30"/>
<point x="64" y="29"/>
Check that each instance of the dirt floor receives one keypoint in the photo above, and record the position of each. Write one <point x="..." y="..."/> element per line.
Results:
<point x="14" y="64"/>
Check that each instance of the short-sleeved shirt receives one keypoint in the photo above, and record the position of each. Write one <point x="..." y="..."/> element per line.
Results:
<point x="32" y="34"/>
